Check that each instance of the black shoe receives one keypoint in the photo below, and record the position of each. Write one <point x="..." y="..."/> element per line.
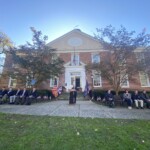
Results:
<point x="137" y="107"/>
<point x="142" y="107"/>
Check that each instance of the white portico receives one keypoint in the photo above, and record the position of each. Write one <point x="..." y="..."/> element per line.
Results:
<point x="75" y="75"/>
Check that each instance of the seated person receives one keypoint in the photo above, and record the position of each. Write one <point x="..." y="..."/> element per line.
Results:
<point x="22" y="98"/>
<point x="137" y="99"/>
<point x="31" y="96"/>
<point x="10" y="93"/>
<point x="15" y="96"/>
<point x="109" y="98"/>
<point x="145" y="98"/>
<point x="127" y="98"/>
<point x="3" y="95"/>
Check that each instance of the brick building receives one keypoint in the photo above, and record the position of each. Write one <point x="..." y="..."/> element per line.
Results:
<point x="78" y="49"/>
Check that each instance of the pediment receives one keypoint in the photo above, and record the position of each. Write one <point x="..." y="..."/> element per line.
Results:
<point x="77" y="40"/>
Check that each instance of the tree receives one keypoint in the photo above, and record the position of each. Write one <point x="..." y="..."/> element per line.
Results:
<point x="5" y="45"/>
<point x="119" y="64"/>
<point x="36" y="62"/>
<point x="144" y="61"/>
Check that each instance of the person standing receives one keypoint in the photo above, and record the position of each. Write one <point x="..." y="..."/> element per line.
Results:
<point x="73" y="95"/>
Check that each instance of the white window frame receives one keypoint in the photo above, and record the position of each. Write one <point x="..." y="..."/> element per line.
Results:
<point x="52" y="81"/>
<point x="140" y="56"/>
<point x="54" y="57"/>
<point x="75" y="57"/>
<point x="94" y="73"/>
<point x="11" y="82"/>
<point x="27" y="83"/>
<point x="122" y="60"/>
<point x="147" y="78"/>
<point x="97" y="61"/>
<point x="127" y="83"/>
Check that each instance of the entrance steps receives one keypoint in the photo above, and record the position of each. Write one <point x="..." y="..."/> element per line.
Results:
<point x="65" y="96"/>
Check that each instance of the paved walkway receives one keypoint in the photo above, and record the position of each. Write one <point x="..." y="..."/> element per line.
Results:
<point x="81" y="109"/>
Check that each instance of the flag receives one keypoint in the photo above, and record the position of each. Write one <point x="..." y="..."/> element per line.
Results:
<point x="59" y="90"/>
<point x="33" y="81"/>
<point x="55" y="89"/>
<point x="74" y="59"/>
<point x="86" y="90"/>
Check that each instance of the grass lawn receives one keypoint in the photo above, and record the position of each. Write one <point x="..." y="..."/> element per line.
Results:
<point x="22" y="132"/>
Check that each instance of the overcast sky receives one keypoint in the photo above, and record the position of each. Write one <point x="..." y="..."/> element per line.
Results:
<point x="57" y="17"/>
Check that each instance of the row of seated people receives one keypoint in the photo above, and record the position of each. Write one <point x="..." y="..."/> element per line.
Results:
<point x="21" y="96"/>
<point x="139" y="99"/>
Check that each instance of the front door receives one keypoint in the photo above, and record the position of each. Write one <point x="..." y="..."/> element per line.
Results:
<point x="77" y="82"/>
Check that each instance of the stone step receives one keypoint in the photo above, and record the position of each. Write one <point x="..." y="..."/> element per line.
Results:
<point x="65" y="96"/>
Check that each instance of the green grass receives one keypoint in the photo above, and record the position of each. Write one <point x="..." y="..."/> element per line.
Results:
<point x="22" y="132"/>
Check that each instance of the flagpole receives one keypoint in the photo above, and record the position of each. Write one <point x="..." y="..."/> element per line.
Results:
<point x="74" y="61"/>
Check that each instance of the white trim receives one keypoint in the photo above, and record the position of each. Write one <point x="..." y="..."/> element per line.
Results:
<point x="70" y="72"/>
<point x="99" y="80"/>
<point x="139" y="56"/>
<point x="51" y="81"/>
<point x="80" y="50"/>
<point x="92" y="55"/>
<point x="77" y="59"/>
<point x="125" y="86"/>
<point x="10" y="82"/>
<point x="74" y="31"/>
<point x="148" y="80"/>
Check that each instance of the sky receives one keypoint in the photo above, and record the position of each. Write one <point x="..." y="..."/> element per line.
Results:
<point x="57" y="17"/>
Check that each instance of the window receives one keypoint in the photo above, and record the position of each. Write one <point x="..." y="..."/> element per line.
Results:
<point x="124" y="82"/>
<point x="12" y="82"/>
<point x="28" y="82"/>
<point x="144" y="79"/>
<point x="140" y="57"/>
<point x="75" y="59"/>
<point x="54" y="81"/>
<point x="96" y="79"/>
<point x="95" y="58"/>
<point x="54" y="58"/>
<point x="122" y="60"/>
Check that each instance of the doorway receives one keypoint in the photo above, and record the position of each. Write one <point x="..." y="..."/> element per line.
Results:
<point x="77" y="82"/>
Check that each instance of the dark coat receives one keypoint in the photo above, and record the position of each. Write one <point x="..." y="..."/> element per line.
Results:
<point x="136" y="97"/>
<point x="18" y="93"/>
<point x="33" y="94"/>
<point x="25" y="94"/>
<point x="10" y="93"/>
<point x="109" y="96"/>
<point x="3" y="92"/>
<point x="144" y="96"/>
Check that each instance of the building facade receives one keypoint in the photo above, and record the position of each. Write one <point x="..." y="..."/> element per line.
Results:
<point x="78" y="49"/>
